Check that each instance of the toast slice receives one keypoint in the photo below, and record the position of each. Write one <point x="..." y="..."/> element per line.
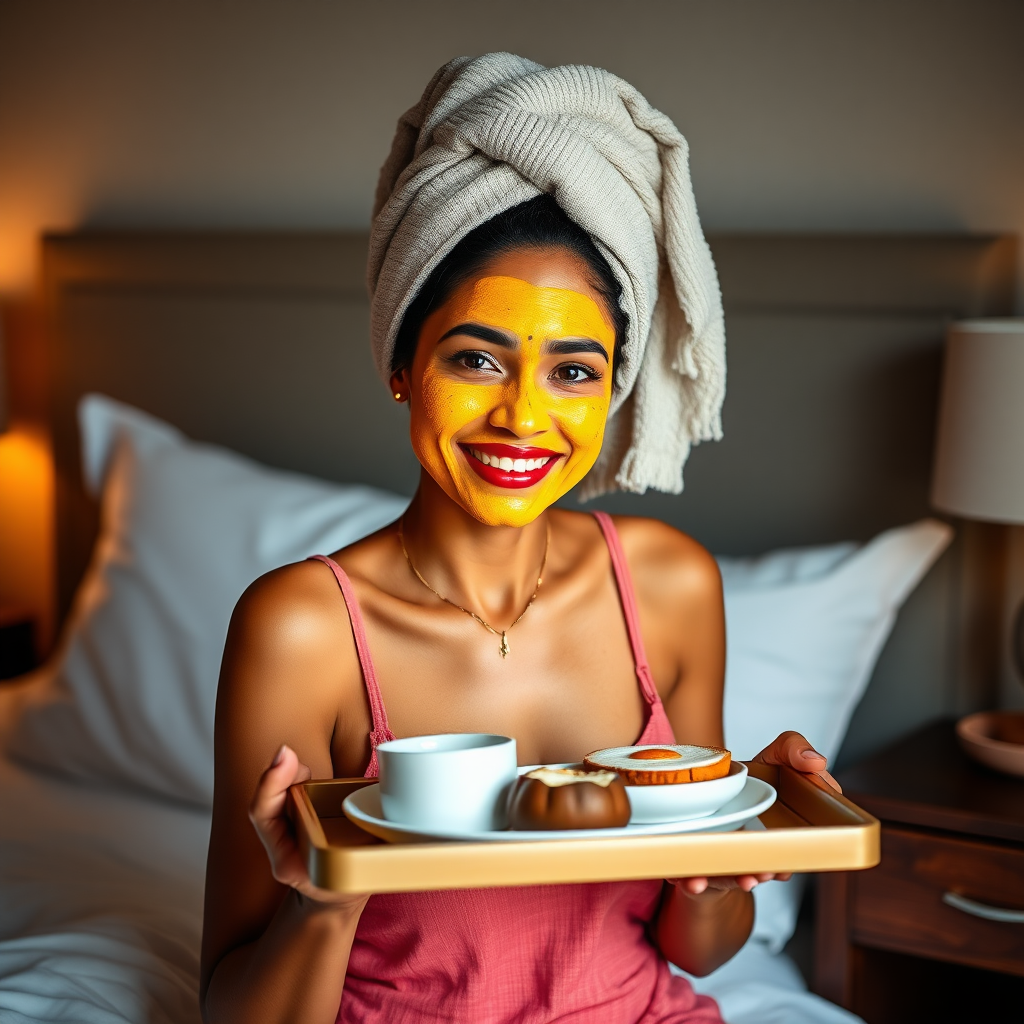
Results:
<point x="661" y="764"/>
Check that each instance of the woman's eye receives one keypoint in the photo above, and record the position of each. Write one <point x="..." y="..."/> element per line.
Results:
<point x="474" y="361"/>
<point x="574" y="373"/>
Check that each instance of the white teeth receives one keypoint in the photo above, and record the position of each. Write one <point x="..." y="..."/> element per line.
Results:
<point x="510" y="465"/>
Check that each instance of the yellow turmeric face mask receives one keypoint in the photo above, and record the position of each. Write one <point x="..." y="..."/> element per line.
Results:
<point x="510" y="389"/>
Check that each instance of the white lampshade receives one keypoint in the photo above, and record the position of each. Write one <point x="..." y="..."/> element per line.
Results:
<point x="979" y="455"/>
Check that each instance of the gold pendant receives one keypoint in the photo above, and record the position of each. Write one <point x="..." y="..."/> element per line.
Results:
<point x="504" y="645"/>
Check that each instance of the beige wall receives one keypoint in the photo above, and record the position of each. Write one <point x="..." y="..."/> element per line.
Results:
<point x="887" y="114"/>
<point x="801" y="114"/>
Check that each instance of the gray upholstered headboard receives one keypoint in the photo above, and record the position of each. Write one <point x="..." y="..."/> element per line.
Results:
<point x="259" y="342"/>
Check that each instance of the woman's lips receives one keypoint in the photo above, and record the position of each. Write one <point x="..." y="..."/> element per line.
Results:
<point x="508" y="465"/>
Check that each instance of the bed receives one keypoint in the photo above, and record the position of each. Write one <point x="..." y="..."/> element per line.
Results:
<point x="256" y="344"/>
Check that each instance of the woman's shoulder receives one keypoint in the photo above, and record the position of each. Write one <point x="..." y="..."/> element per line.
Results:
<point x="292" y="596"/>
<point x="290" y="634"/>
<point x="291" y="623"/>
<point x="665" y="563"/>
<point x="302" y="603"/>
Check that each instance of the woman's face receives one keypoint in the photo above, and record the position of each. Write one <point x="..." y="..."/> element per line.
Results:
<point x="510" y="386"/>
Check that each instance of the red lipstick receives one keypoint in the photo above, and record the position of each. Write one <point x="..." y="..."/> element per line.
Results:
<point x="510" y="465"/>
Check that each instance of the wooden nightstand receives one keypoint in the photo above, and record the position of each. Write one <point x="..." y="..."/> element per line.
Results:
<point x="899" y="942"/>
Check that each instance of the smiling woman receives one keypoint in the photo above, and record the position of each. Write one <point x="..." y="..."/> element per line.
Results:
<point x="516" y="394"/>
<point x="517" y="343"/>
<point x="511" y="380"/>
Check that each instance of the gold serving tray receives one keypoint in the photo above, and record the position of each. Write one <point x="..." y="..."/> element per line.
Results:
<point x="809" y="828"/>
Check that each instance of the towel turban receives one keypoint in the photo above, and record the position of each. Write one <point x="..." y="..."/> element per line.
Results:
<point x="494" y="131"/>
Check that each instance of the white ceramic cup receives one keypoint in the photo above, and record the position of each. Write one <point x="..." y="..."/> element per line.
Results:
<point x="456" y="781"/>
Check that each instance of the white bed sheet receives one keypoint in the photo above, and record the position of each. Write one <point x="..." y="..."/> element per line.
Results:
<point x="100" y="903"/>
<point x="101" y="914"/>
<point x="760" y="987"/>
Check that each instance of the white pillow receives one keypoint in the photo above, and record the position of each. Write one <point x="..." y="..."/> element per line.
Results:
<point x="804" y="630"/>
<point x="186" y="528"/>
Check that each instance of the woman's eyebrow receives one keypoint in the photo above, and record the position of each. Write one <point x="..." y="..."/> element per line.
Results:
<point x="570" y="346"/>
<point x="482" y="333"/>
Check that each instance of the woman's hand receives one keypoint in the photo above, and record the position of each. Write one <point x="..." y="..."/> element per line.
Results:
<point x="792" y="750"/>
<point x="267" y="814"/>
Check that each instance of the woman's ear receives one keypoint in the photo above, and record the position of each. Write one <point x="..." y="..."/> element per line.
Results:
<point x="400" y="385"/>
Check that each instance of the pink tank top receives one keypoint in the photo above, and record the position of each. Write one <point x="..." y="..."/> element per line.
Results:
<point x="571" y="954"/>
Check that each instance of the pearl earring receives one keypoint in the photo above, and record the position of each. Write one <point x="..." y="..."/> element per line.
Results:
<point x="398" y="396"/>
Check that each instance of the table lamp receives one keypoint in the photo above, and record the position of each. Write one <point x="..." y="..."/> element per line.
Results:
<point x="3" y="383"/>
<point x="979" y="474"/>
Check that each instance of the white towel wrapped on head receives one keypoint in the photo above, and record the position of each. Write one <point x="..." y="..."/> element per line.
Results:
<point x="494" y="131"/>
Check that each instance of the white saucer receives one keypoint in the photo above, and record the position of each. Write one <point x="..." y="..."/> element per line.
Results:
<point x="363" y="808"/>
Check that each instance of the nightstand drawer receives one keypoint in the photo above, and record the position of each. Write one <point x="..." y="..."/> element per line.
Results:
<point x="899" y="905"/>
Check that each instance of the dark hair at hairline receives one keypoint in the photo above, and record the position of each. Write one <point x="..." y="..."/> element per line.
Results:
<point x="539" y="223"/>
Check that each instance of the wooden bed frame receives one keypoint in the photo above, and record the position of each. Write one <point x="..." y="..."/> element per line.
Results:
<point x="259" y="342"/>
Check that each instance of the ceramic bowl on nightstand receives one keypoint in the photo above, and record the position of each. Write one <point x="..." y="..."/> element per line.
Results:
<point x="995" y="738"/>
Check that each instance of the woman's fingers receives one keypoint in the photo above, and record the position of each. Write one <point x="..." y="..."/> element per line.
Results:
<point x="745" y="882"/>
<point x="267" y="814"/>
<point x="700" y="884"/>
<point x="272" y="789"/>
<point x="794" y="751"/>
<point x="694" y="886"/>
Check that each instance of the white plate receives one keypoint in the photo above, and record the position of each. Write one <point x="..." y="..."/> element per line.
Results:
<point x="650" y="805"/>
<point x="363" y="807"/>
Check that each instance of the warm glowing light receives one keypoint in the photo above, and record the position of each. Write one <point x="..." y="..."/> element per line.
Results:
<point x="26" y="526"/>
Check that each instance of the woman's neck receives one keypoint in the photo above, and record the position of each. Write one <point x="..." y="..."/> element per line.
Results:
<point x="492" y="570"/>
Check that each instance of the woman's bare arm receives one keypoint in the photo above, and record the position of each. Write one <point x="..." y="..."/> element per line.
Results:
<point x="700" y="933"/>
<point x="275" y="949"/>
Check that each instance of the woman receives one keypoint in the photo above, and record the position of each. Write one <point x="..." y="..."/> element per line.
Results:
<point x="484" y="609"/>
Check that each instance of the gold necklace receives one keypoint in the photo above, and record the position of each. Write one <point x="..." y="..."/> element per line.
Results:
<point x="503" y="633"/>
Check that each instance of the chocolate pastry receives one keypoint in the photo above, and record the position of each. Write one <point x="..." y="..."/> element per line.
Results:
<point x="566" y="798"/>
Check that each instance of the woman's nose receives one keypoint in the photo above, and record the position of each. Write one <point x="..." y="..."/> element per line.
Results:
<point x="522" y="410"/>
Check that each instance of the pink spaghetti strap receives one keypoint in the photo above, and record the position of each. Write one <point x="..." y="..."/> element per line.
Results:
<point x="627" y="597"/>
<point x="380" y="733"/>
